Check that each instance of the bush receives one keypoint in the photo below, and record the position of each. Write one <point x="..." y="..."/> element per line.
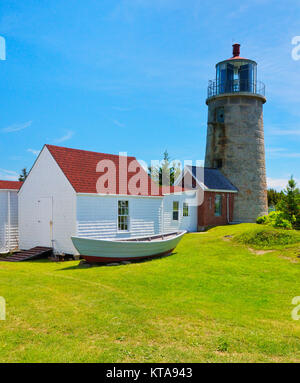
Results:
<point x="279" y="219"/>
<point x="261" y="220"/>
<point x="267" y="237"/>
<point x="276" y="219"/>
<point x="289" y="204"/>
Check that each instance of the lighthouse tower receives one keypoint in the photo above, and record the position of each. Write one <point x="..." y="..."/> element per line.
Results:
<point x="235" y="133"/>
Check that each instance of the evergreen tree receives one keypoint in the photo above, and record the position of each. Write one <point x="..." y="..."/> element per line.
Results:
<point x="23" y="175"/>
<point x="167" y="172"/>
<point x="290" y="203"/>
<point x="274" y="197"/>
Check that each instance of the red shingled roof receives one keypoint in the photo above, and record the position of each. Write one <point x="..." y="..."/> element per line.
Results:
<point x="10" y="185"/>
<point x="80" y="168"/>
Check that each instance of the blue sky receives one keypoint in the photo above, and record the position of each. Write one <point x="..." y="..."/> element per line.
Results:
<point x="131" y="76"/>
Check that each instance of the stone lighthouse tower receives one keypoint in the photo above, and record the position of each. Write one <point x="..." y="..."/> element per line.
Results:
<point x="235" y="133"/>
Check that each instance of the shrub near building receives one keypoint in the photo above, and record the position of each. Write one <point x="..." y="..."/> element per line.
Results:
<point x="275" y="219"/>
<point x="287" y="214"/>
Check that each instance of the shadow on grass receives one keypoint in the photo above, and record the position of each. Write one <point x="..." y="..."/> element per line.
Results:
<point x="87" y="265"/>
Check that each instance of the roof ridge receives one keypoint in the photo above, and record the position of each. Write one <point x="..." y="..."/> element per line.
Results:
<point x="86" y="151"/>
<point x="80" y="169"/>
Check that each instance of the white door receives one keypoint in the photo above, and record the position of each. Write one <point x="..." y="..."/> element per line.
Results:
<point x="189" y="221"/>
<point x="45" y="221"/>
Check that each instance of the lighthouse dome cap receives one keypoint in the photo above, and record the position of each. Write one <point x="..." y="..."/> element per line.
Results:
<point x="236" y="49"/>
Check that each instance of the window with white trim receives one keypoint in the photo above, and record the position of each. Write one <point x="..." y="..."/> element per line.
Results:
<point x="218" y="205"/>
<point x="175" y="210"/>
<point x="185" y="209"/>
<point x="123" y="215"/>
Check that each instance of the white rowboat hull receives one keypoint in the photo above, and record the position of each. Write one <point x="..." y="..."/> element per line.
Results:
<point x="104" y="250"/>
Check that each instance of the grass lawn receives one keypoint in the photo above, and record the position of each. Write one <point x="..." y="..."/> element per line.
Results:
<point x="214" y="300"/>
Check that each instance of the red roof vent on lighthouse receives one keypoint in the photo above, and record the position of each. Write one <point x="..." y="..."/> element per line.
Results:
<point x="236" y="50"/>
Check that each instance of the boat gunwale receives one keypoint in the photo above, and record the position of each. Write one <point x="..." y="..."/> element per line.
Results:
<point x="137" y="239"/>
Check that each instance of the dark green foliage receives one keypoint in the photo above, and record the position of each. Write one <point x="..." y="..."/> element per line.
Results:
<point x="262" y="220"/>
<point x="274" y="197"/>
<point x="290" y="203"/>
<point x="287" y="203"/>
<point x="23" y="175"/>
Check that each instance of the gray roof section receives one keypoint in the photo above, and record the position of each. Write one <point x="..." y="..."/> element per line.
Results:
<point x="213" y="179"/>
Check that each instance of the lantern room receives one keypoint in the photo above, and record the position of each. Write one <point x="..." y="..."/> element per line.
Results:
<point x="236" y="74"/>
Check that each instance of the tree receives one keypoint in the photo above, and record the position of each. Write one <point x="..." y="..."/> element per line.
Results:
<point x="290" y="203"/>
<point x="166" y="173"/>
<point x="274" y="197"/>
<point x="23" y="175"/>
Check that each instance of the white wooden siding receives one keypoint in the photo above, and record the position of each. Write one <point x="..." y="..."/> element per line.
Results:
<point x="50" y="211"/>
<point x="9" y="237"/>
<point x="97" y="216"/>
<point x="184" y="223"/>
<point x="46" y="180"/>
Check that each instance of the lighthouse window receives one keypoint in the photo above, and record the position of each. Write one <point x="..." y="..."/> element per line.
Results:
<point x="220" y="115"/>
<point x="218" y="205"/>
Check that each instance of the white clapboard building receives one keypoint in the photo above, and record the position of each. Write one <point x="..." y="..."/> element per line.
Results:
<point x="76" y="192"/>
<point x="9" y="236"/>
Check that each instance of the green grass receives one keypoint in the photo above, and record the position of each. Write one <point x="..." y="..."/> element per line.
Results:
<point x="266" y="237"/>
<point x="214" y="300"/>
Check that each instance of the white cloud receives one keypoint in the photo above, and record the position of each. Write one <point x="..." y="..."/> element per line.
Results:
<point x="128" y="9"/>
<point x="285" y="132"/>
<point x="281" y="153"/>
<point x="15" y="158"/>
<point x="17" y="127"/>
<point x="239" y="10"/>
<point x="121" y="109"/>
<point x="118" y="123"/>
<point x="69" y="134"/>
<point x="278" y="183"/>
<point x="8" y="175"/>
<point x="33" y="151"/>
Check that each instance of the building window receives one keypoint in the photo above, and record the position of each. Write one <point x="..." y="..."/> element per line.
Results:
<point x="175" y="210"/>
<point x="185" y="209"/>
<point x="220" y="115"/>
<point x="123" y="215"/>
<point x="218" y="163"/>
<point x="218" y="205"/>
<point x="194" y="184"/>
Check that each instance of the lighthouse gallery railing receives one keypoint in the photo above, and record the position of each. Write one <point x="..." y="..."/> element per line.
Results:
<point x="235" y="86"/>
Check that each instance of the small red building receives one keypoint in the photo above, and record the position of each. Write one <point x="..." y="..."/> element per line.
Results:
<point x="217" y="203"/>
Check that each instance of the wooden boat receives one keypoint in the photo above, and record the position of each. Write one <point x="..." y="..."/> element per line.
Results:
<point x="121" y="249"/>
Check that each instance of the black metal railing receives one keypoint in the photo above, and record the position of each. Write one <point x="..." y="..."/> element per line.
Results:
<point x="235" y="86"/>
